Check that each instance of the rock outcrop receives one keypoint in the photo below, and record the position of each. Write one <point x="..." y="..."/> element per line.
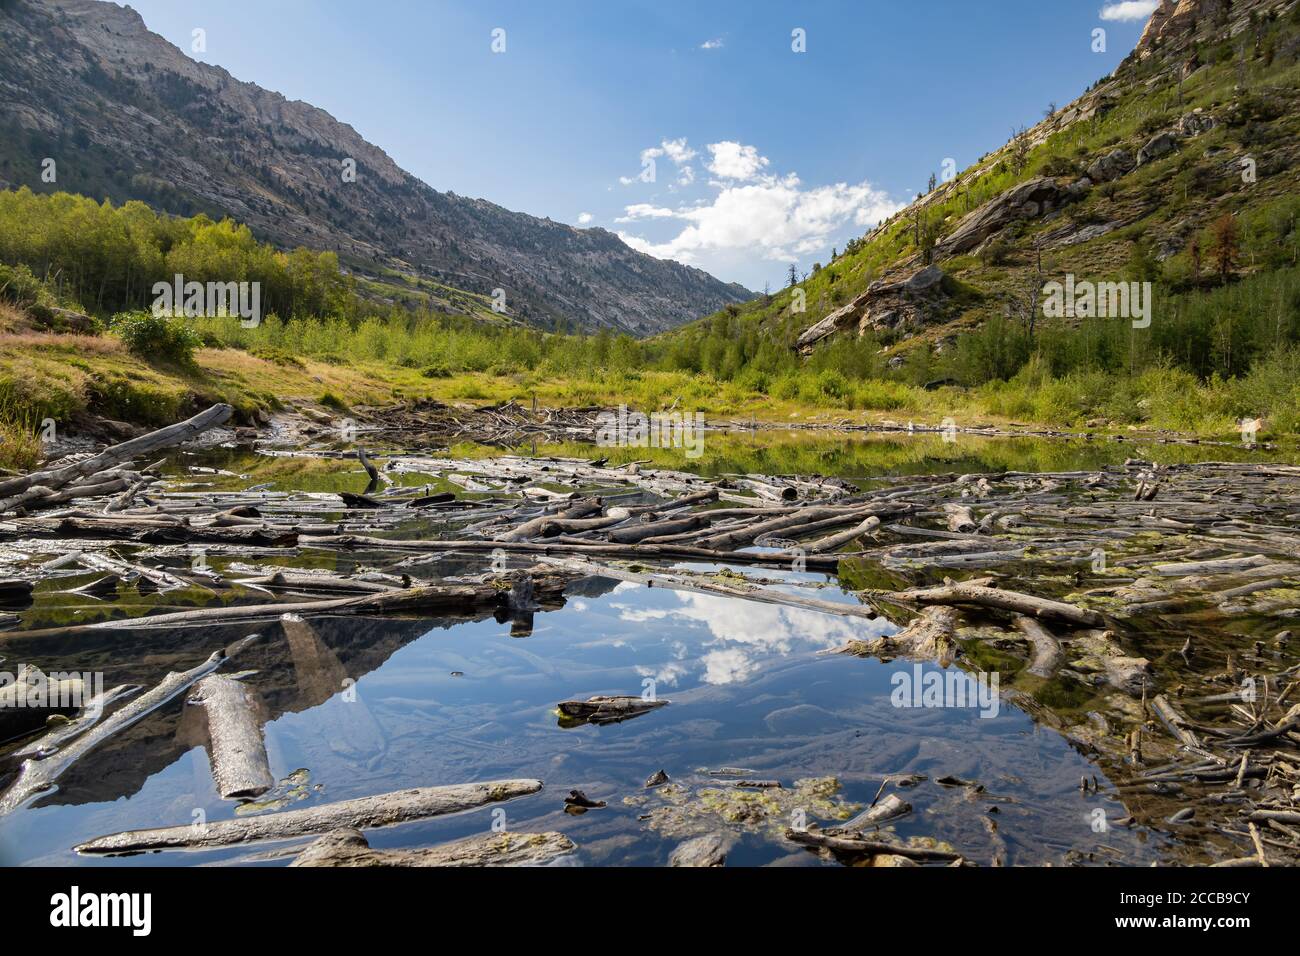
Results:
<point x="1116" y="163"/>
<point x="1175" y="24"/>
<point x="908" y="304"/>
<point x="1161" y="144"/>
<point x="1029" y="200"/>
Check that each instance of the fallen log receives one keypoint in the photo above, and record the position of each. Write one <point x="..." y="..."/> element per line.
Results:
<point x="835" y="541"/>
<point x="931" y="635"/>
<point x="890" y="808"/>
<point x="961" y="520"/>
<point x="605" y="710"/>
<point x="654" y="529"/>
<point x="854" y="845"/>
<point x="349" y="848"/>
<point x="568" y="547"/>
<point x="55" y="478"/>
<point x="1175" y="721"/>
<point x="237" y="751"/>
<point x="1047" y="649"/>
<point x="32" y="698"/>
<point x="363" y="813"/>
<point x="1000" y="600"/>
<point x="90" y="715"/>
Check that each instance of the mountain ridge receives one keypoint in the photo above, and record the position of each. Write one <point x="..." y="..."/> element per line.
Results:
<point x="133" y="117"/>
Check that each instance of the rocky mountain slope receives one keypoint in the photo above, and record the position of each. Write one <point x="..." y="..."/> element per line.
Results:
<point x="127" y="115"/>
<point x="1202" y="120"/>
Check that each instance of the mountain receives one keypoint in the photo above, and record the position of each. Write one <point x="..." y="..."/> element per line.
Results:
<point x="1200" y="122"/>
<point x="127" y="115"/>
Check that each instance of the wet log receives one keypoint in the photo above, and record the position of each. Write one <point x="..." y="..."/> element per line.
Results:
<point x="857" y="846"/>
<point x="90" y="715"/>
<point x="997" y="599"/>
<point x="55" y="478"/>
<point x="566" y="547"/>
<point x="835" y="541"/>
<point x="1047" y="649"/>
<point x="1175" y="721"/>
<point x="237" y="750"/>
<point x="367" y="464"/>
<point x="607" y="710"/>
<point x="363" y="813"/>
<point x="349" y="848"/>
<point x="890" y="808"/>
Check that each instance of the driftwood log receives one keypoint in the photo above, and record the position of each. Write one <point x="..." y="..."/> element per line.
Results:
<point x="236" y="749"/>
<point x="18" y="491"/>
<point x="364" y="813"/>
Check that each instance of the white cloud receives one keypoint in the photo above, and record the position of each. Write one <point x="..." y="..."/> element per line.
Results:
<point x="686" y="176"/>
<point x="774" y="218"/>
<point x="735" y="160"/>
<point x="584" y="218"/>
<point x="1129" y="10"/>
<point x="644" y="210"/>
<point x="677" y="150"/>
<point x="711" y="44"/>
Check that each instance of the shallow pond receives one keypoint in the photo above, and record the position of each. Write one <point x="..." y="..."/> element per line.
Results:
<point x="442" y="702"/>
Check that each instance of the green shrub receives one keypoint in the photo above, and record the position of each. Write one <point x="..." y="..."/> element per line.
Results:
<point x="157" y="337"/>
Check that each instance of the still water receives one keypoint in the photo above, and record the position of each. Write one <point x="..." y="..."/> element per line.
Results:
<point x="444" y="702"/>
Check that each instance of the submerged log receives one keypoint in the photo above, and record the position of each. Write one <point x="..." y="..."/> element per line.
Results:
<point x="90" y="715"/>
<point x="1047" y="649"/>
<point x="237" y="751"/>
<point x="890" y="808"/>
<point x="363" y="813"/>
<point x="605" y="710"/>
<point x="348" y="848"/>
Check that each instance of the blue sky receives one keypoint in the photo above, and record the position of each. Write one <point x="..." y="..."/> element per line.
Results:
<point x="788" y="153"/>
